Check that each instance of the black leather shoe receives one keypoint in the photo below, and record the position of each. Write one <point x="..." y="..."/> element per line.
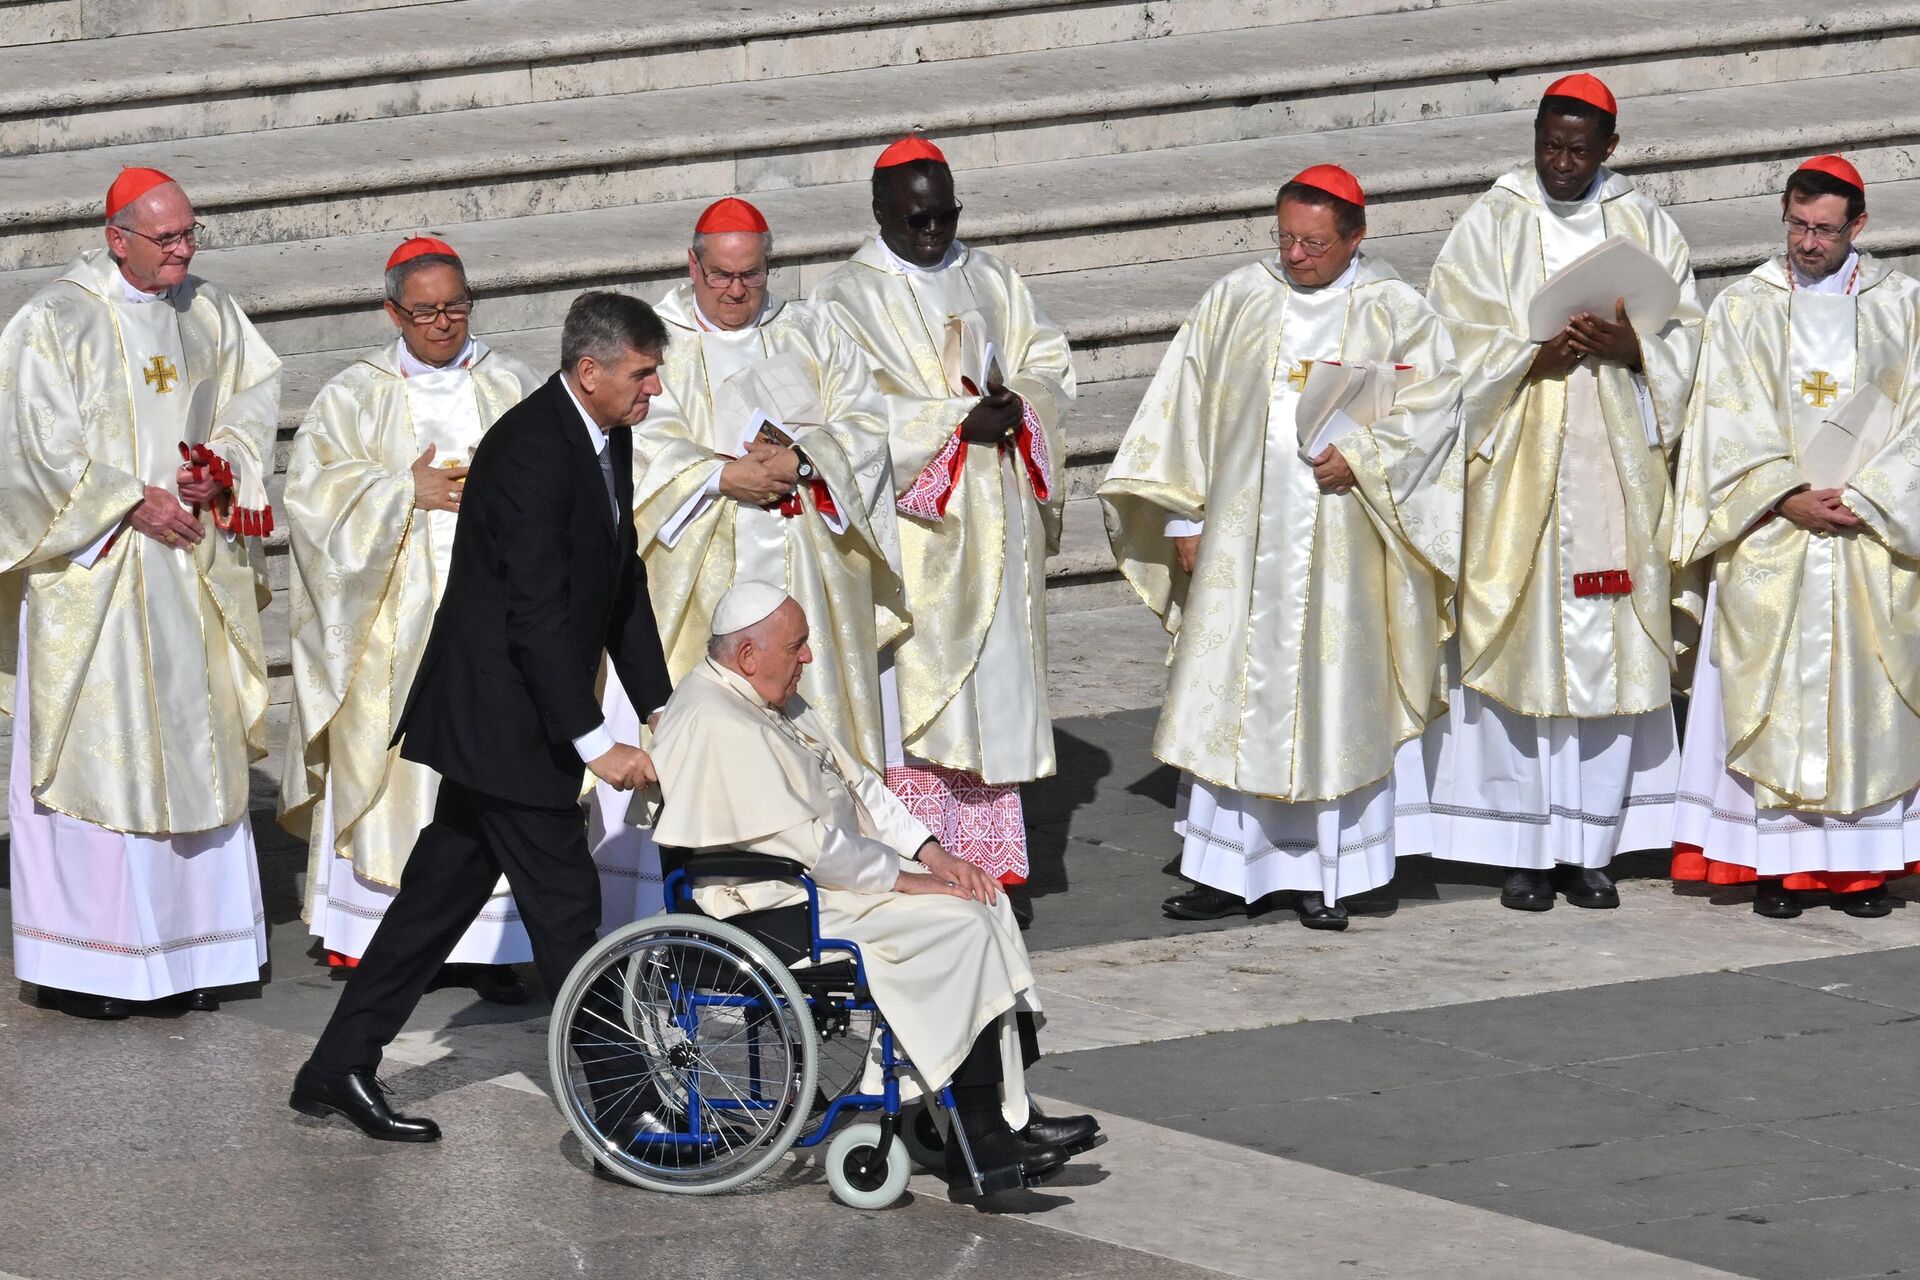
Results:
<point x="1072" y="1134"/>
<point x="1868" y="904"/>
<point x="497" y="983"/>
<point x="200" y="1000"/>
<point x="1203" y="902"/>
<point x="1775" y="901"/>
<point x="81" y="1004"/>
<point x="1527" y="890"/>
<point x="356" y="1096"/>
<point x="1316" y="913"/>
<point x="1006" y="1162"/>
<point x="1589" y="887"/>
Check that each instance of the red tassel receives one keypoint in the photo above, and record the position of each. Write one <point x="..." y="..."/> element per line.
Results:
<point x="1606" y="582"/>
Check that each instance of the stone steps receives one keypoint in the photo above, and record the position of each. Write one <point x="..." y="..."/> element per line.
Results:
<point x="387" y="62"/>
<point x="38" y="22"/>
<point x="1455" y="63"/>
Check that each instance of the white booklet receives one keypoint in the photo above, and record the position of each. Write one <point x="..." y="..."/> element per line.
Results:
<point x="1339" y="397"/>
<point x="1596" y="280"/>
<point x="1847" y="438"/>
<point x="969" y="357"/>
<point x="772" y="399"/>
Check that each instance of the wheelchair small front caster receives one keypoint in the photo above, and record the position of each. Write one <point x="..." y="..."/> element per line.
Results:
<point x="856" y="1178"/>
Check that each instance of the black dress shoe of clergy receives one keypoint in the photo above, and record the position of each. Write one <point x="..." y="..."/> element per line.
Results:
<point x="1316" y="913"/>
<point x="356" y="1096"/>
<point x="1203" y="902"/>
<point x="1527" y="890"/>
<point x="82" y="1004"/>
<point x="1868" y="904"/>
<point x="497" y="983"/>
<point x="1072" y="1134"/>
<point x="1775" y="901"/>
<point x="1589" y="887"/>
<point x="1005" y="1160"/>
<point x="201" y="1000"/>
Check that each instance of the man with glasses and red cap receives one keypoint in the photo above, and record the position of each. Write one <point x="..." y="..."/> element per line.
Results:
<point x="764" y="459"/>
<point x="1796" y="485"/>
<point x="1559" y="750"/>
<point x="1303" y="561"/>
<point x="137" y="415"/>
<point x="977" y="463"/>
<point x="372" y="496"/>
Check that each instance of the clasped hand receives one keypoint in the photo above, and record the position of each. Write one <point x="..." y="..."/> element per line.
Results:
<point x="1588" y="335"/>
<point x="1331" y="472"/>
<point x="762" y="476"/>
<point x="946" y="874"/>
<point x="437" y="488"/>
<point x="994" y="417"/>
<point x="161" y="517"/>
<point x="1818" y="511"/>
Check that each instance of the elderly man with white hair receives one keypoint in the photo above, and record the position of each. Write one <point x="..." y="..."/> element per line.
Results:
<point x="137" y="413"/>
<point x="743" y="765"/>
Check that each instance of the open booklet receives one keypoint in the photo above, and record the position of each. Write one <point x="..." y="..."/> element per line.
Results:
<point x="1856" y="429"/>
<point x="1595" y="281"/>
<point x="772" y="400"/>
<point x="969" y="356"/>
<point x="1339" y="397"/>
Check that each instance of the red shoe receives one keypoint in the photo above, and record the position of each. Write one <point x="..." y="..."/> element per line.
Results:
<point x="335" y="960"/>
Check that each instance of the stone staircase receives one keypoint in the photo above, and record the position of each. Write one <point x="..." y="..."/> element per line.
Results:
<point x="1122" y="153"/>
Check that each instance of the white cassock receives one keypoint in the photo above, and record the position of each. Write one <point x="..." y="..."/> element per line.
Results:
<point x="1820" y="791"/>
<point x="1306" y="641"/>
<point x="368" y="572"/>
<point x="137" y="674"/>
<point x="737" y="773"/>
<point x="1559" y="745"/>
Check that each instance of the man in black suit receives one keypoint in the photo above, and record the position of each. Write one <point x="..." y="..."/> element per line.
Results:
<point x="545" y="577"/>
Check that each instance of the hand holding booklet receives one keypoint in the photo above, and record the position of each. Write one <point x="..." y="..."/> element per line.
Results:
<point x="774" y="400"/>
<point x="1596" y="281"/>
<point x="969" y="356"/>
<point x="1339" y="397"/>
<point x="1856" y="429"/>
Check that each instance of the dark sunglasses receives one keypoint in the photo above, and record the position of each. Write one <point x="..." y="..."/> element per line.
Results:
<point x="928" y="219"/>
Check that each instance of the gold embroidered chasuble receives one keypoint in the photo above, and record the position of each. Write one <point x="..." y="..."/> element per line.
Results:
<point x="368" y="571"/>
<point x="1534" y="450"/>
<point x="977" y="650"/>
<point x="148" y="671"/>
<point x="1815" y="635"/>
<point x="1306" y="645"/>
<point x="842" y="567"/>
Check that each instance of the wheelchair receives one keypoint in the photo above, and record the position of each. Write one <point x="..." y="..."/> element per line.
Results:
<point x="689" y="1054"/>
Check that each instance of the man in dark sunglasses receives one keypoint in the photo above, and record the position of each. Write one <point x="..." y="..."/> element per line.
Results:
<point x="978" y="381"/>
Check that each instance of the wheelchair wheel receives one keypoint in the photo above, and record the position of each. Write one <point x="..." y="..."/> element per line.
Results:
<point x="853" y="1177"/>
<point x="923" y="1135"/>
<point x="683" y="1055"/>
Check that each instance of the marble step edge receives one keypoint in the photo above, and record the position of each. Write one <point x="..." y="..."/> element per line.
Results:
<point x="62" y="187"/>
<point x="28" y="23"/>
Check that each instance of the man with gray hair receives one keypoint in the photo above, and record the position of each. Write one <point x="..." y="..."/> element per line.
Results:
<point x="544" y="580"/>
<point x="371" y="504"/>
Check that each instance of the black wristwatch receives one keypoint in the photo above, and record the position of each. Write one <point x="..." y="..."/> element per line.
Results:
<point x="805" y="469"/>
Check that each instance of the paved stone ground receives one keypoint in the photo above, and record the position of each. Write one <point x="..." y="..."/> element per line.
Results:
<point x="1675" y="1089"/>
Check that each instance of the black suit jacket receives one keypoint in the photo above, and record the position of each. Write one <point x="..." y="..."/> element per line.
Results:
<point x="544" y="579"/>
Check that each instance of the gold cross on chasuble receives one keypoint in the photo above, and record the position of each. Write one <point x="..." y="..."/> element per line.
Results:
<point x="1298" y="378"/>
<point x="160" y="374"/>
<point x="1819" y="388"/>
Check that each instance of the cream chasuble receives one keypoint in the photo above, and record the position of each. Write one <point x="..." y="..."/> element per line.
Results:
<point x="368" y="571"/>
<point x="972" y="671"/>
<point x="1816" y="653"/>
<point x="96" y="395"/>
<point x="1306" y="644"/>
<point x="1565" y="476"/>
<point x="840" y="560"/>
<point x="737" y="773"/>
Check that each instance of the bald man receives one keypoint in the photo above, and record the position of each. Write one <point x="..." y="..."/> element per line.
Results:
<point x="137" y="414"/>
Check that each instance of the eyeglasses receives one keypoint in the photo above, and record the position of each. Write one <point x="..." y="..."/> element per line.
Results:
<point x="1821" y="233"/>
<point x="727" y="279"/>
<point x="173" y="239"/>
<point x="1312" y="248"/>
<point x="928" y="219"/>
<point x="455" y="312"/>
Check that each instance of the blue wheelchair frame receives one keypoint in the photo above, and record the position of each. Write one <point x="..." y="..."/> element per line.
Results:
<point x="679" y="895"/>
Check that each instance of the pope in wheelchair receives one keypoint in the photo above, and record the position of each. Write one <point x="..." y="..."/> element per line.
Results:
<point x="688" y="1052"/>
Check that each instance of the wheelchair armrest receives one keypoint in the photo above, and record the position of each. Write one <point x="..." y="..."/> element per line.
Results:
<point x="751" y="866"/>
